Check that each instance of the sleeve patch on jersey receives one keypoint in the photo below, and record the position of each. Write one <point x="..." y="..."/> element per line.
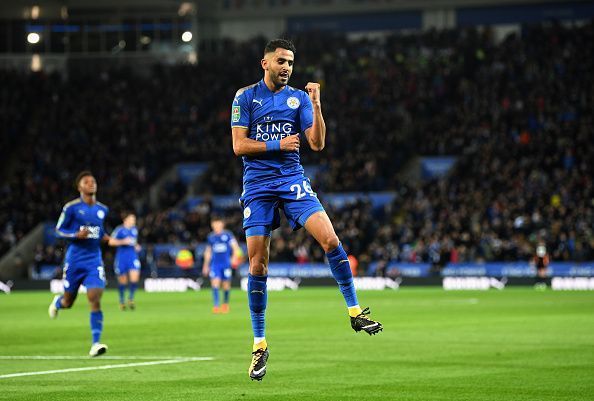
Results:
<point x="236" y="113"/>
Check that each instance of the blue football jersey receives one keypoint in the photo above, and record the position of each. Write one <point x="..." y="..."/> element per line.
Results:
<point x="271" y="116"/>
<point x="222" y="250"/>
<point x="75" y="216"/>
<point x="126" y="253"/>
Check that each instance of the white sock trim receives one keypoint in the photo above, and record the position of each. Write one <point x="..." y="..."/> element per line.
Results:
<point x="258" y="340"/>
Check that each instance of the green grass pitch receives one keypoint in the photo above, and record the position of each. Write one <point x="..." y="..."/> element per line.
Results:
<point x="516" y="344"/>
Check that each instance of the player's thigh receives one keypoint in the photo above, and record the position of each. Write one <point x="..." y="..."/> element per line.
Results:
<point x="320" y="227"/>
<point x="134" y="275"/>
<point x="123" y="279"/>
<point x="258" y="254"/>
<point x="215" y="282"/>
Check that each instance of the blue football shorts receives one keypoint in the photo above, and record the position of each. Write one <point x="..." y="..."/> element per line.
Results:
<point x="90" y="277"/>
<point x="262" y="203"/>
<point x="123" y="266"/>
<point x="221" y="272"/>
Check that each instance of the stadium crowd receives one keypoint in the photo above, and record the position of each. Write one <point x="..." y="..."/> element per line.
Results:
<point x="520" y="120"/>
<point x="516" y="113"/>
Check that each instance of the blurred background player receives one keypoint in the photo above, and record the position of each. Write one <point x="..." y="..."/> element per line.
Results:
<point x="126" y="263"/>
<point x="218" y="254"/>
<point x="266" y="121"/>
<point x="541" y="262"/>
<point x="81" y="222"/>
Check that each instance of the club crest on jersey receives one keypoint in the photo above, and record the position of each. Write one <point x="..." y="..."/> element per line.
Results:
<point x="293" y="102"/>
<point x="247" y="212"/>
<point x="236" y="113"/>
<point x="100" y="214"/>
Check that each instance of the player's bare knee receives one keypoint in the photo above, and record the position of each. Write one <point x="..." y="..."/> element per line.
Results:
<point x="330" y="243"/>
<point x="258" y="267"/>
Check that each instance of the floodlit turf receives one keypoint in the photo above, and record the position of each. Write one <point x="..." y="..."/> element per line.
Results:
<point x="516" y="344"/>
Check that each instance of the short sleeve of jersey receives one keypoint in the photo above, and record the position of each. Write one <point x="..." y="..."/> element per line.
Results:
<point x="65" y="219"/>
<point x="240" y="114"/>
<point x="209" y="240"/>
<point x="305" y="112"/>
<point x="103" y="231"/>
<point x="117" y="233"/>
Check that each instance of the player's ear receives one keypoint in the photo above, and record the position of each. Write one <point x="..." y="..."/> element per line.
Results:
<point x="264" y="63"/>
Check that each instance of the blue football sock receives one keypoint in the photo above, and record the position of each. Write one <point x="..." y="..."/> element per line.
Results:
<point x="133" y="287"/>
<point x="341" y="270"/>
<point x="215" y="296"/>
<point x="96" y="325"/>
<point x="58" y="302"/>
<point x="122" y="291"/>
<point x="257" y="298"/>
<point x="225" y="296"/>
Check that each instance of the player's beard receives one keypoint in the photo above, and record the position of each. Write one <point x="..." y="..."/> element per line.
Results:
<point x="279" y="81"/>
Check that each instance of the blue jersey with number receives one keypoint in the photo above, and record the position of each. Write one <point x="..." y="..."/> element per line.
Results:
<point x="271" y="116"/>
<point x="222" y="249"/>
<point x="77" y="215"/>
<point x="126" y="254"/>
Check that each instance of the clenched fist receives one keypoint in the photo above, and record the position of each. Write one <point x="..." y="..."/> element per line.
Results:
<point x="313" y="90"/>
<point x="290" y="143"/>
<point x="82" y="234"/>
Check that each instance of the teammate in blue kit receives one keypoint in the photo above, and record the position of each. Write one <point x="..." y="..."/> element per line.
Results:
<point x="267" y="119"/>
<point x="126" y="263"/>
<point x="81" y="222"/>
<point x="217" y="263"/>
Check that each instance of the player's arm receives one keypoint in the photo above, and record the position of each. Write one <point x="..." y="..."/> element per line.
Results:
<point x="237" y="253"/>
<point x="118" y="242"/>
<point x="206" y="263"/>
<point x="65" y="229"/>
<point x="244" y="146"/>
<point x="316" y="134"/>
<point x="115" y="240"/>
<point x="235" y="246"/>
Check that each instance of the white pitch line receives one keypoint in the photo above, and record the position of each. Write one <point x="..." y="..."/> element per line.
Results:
<point x="124" y="365"/>
<point x="86" y="358"/>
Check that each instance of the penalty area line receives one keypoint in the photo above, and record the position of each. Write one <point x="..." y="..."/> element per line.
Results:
<point x="104" y="367"/>
<point x="88" y="358"/>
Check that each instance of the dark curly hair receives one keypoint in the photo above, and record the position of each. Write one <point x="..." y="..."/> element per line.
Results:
<point x="80" y="176"/>
<point x="282" y="43"/>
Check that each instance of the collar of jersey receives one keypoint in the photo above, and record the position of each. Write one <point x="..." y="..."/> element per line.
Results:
<point x="269" y="91"/>
<point x="85" y="203"/>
